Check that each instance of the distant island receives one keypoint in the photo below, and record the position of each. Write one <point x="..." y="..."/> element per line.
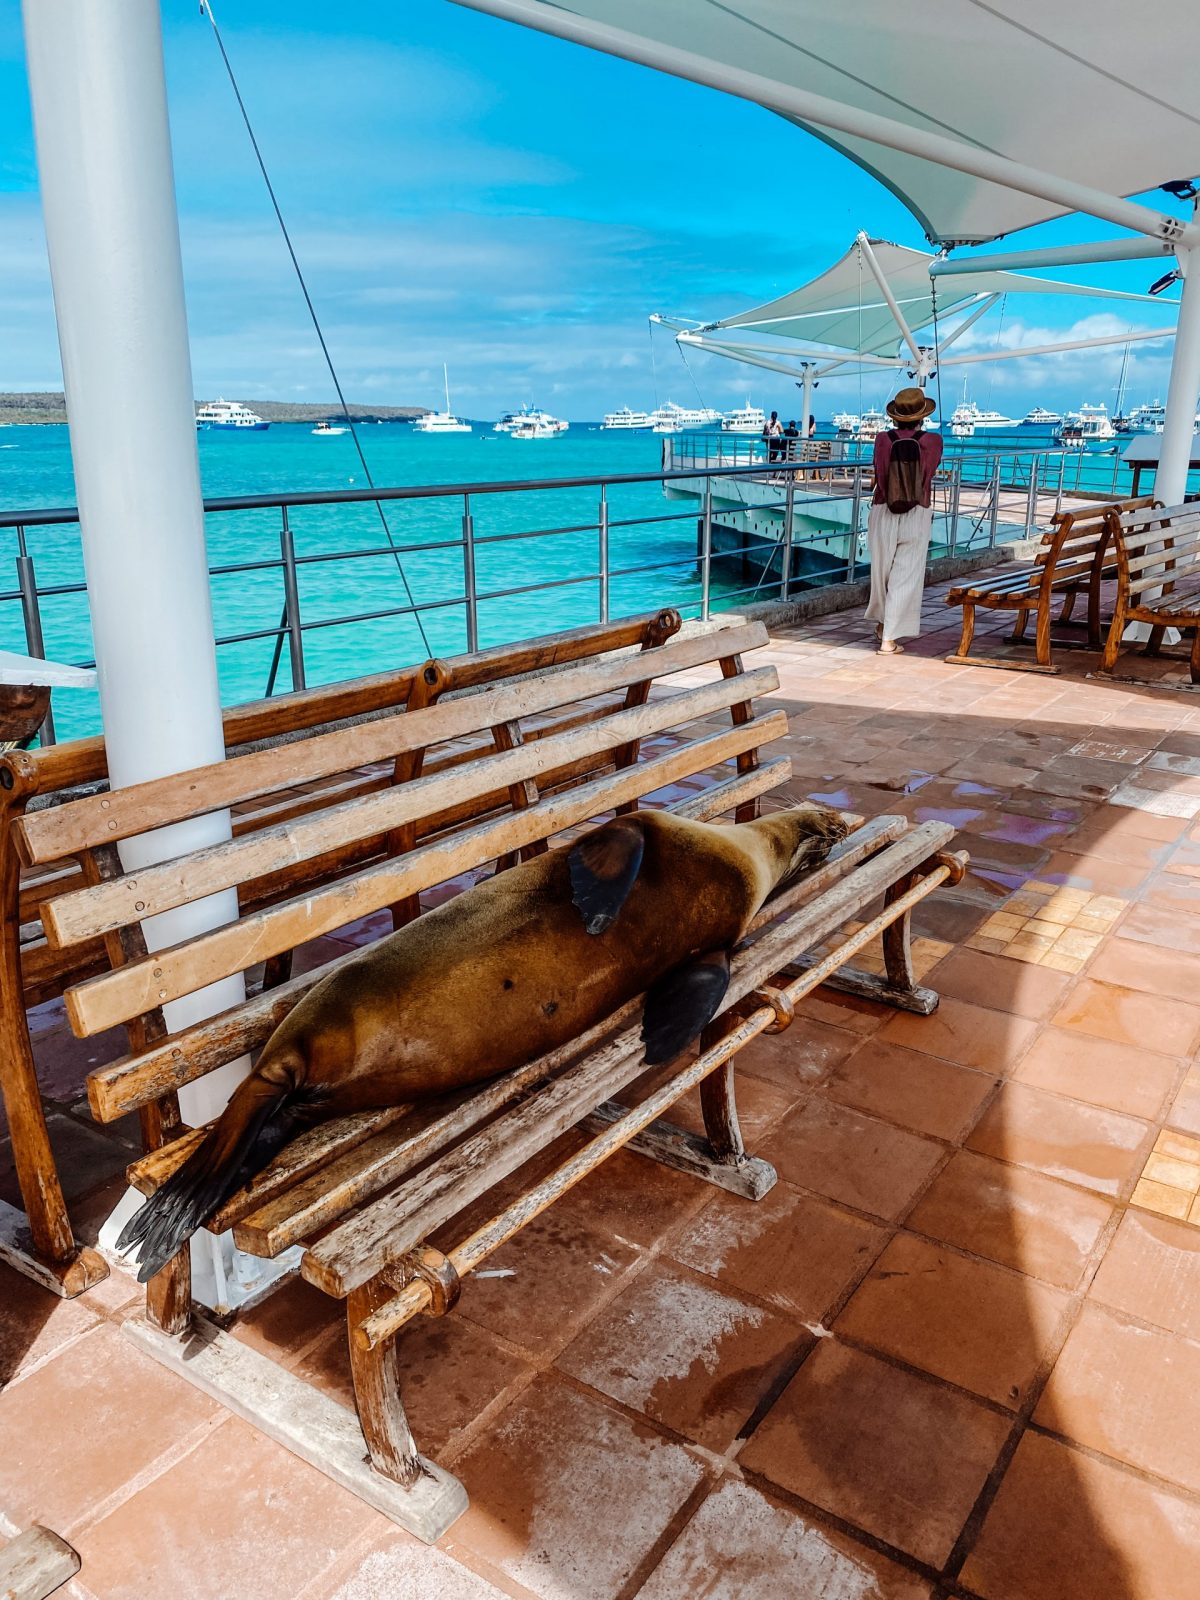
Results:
<point x="51" y="407"/>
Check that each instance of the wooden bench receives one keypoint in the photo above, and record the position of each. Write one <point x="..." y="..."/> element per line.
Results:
<point x="1157" y="553"/>
<point x="1073" y="558"/>
<point x="365" y="1196"/>
<point x="39" y="1240"/>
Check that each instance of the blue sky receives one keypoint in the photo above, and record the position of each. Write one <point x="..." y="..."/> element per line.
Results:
<point x="461" y="189"/>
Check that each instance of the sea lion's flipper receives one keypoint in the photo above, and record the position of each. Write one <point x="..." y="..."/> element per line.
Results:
<point x="259" y="1119"/>
<point x="681" y="1004"/>
<point x="604" y="866"/>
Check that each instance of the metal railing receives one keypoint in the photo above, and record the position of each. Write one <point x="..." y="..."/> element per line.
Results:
<point x="975" y="498"/>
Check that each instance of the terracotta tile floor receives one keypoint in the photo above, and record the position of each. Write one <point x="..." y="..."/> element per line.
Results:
<point x="955" y="1352"/>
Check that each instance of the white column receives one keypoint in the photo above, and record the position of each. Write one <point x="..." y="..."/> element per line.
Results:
<point x="1170" y="481"/>
<point x="806" y="394"/>
<point x="108" y="197"/>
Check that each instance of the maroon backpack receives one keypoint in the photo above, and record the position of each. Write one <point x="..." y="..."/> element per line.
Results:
<point x="905" y="486"/>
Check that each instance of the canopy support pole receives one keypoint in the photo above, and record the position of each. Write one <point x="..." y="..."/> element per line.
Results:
<point x="1056" y="349"/>
<point x="108" y="196"/>
<point x="1059" y="255"/>
<point x="981" y="309"/>
<point x="885" y="289"/>
<point x="851" y="120"/>
<point x="1170" y="481"/>
<point x="806" y="400"/>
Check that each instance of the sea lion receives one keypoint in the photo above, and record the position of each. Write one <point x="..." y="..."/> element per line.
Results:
<point x="504" y="972"/>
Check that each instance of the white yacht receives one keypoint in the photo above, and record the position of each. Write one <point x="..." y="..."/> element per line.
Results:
<point x="746" y="419"/>
<point x="1143" y="419"/>
<point x="529" y="429"/>
<point x="846" y="423"/>
<point x="326" y="430"/>
<point x="871" y="422"/>
<point x="530" y="416"/>
<point x="1082" y="426"/>
<point x="968" y="419"/>
<point x="637" y="421"/>
<point x="1039" y="417"/>
<point x="672" y="418"/>
<point x="441" y="421"/>
<point x="228" y="414"/>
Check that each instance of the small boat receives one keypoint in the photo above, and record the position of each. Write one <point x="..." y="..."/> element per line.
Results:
<point x="222" y="414"/>
<point x="327" y="430"/>
<point x="1039" y="417"/>
<point x="746" y="419"/>
<point x="533" y="430"/>
<point x="1150" y="418"/>
<point x="512" y="420"/>
<point x="846" y="423"/>
<point x="441" y="421"/>
<point x="870" y="424"/>
<point x="636" y="421"/>
<point x="968" y="419"/>
<point x="1084" y="425"/>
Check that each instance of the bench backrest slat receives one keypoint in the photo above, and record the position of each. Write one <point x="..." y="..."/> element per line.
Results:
<point x="108" y="818"/>
<point x="135" y="1080"/>
<point x="115" y="997"/>
<point x="155" y="889"/>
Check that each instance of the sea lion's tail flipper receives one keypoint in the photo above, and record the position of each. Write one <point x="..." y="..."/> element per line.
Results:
<point x="260" y="1117"/>
<point x="604" y="866"/>
<point x="681" y="1004"/>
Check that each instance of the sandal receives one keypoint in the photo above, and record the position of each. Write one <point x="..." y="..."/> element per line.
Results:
<point x="890" y="648"/>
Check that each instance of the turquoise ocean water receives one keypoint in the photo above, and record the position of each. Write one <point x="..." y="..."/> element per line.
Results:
<point x="35" y="471"/>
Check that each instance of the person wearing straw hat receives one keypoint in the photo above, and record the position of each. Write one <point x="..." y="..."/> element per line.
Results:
<point x="901" y="518"/>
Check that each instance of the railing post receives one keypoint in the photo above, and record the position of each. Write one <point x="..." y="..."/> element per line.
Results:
<point x="602" y="527"/>
<point x="31" y="612"/>
<point x="995" y="514"/>
<point x="291" y="594"/>
<point x="1031" y="498"/>
<point x="855" y="514"/>
<point x="955" y="503"/>
<point x="1062" y="472"/>
<point x="706" y="554"/>
<point x="468" y="529"/>
<point x="789" y="514"/>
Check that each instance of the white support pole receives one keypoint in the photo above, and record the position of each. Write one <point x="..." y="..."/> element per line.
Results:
<point x="885" y="289"/>
<point x="806" y="398"/>
<point x="755" y="358"/>
<point x="829" y="113"/>
<point x="108" y="197"/>
<point x="985" y="305"/>
<point x="1170" y="481"/>
<point x="1057" y="349"/>
<point x="1059" y="255"/>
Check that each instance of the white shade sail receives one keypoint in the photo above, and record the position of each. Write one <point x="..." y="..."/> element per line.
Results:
<point x="1100" y="93"/>
<point x="845" y="308"/>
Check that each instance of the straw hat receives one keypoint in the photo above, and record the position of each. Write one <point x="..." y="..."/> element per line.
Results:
<point x="910" y="405"/>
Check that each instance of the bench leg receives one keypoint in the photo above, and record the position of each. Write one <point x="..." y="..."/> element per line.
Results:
<point x="1019" y="626"/>
<point x="169" y="1294"/>
<point x="968" y="628"/>
<point x="1112" y="645"/>
<point x="719" y="1107"/>
<point x="1195" y="656"/>
<point x="376" y="1374"/>
<point x="1154" y="642"/>
<point x="1068" y="604"/>
<point x="1041" y="637"/>
<point x="899" y="986"/>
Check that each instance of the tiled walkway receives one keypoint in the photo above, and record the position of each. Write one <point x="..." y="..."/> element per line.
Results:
<point x="956" y="1350"/>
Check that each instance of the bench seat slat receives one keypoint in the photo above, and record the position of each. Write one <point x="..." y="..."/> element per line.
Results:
<point x="150" y="890"/>
<point x="107" y="818"/>
<point x="363" y="1245"/>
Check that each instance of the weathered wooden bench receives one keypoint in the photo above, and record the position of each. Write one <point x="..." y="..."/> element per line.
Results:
<point x="364" y="1195"/>
<point x="39" y="1240"/>
<point x="1073" y="558"/>
<point x="1157" y="554"/>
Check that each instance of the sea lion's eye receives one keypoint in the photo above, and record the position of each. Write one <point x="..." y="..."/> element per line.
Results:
<point x="508" y="983"/>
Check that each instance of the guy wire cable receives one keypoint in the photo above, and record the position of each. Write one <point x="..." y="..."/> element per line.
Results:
<point x="207" y="10"/>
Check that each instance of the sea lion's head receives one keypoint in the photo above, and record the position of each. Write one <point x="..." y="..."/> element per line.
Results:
<point x="800" y="837"/>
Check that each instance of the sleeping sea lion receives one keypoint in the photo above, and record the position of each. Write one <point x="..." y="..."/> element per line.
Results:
<point x="501" y="974"/>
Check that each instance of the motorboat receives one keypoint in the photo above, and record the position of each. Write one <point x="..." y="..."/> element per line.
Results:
<point x="746" y="419"/>
<point x="228" y="414"/>
<point x="1039" y="417"/>
<point x="846" y="423"/>
<point x="968" y="419"/>
<point x="530" y="415"/>
<point x="534" y="430"/>
<point x="1082" y="426"/>
<point x="870" y="424"/>
<point x="672" y="418"/>
<point x="1142" y="419"/>
<point x="441" y="421"/>
<point x="631" y="421"/>
<point x="326" y="430"/>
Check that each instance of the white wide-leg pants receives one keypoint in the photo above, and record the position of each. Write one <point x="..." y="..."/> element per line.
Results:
<point x="898" y="548"/>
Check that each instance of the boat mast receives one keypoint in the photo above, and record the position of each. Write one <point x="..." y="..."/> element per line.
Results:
<point x="446" y="383"/>
<point x="1121" y="381"/>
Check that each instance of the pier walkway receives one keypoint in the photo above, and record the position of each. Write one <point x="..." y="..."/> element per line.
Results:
<point x="956" y="1350"/>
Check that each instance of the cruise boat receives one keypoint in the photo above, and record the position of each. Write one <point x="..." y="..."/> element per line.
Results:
<point x="228" y="414"/>
<point x="746" y="419"/>
<point x="326" y="429"/>
<point x="1142" y="419"/>
<point x="530" y="416"/>
<point x="529" y="429"/>
<point x="871" y="422"/>
<point x="1039" y="417"/>
<point x="1082" y="426"/>
<point x="846" y="423"/>
<point x="442" y="421"/>
<point x="968" y="419"/>
<point x="637" y="421"/>
<point x="672" y="418"/>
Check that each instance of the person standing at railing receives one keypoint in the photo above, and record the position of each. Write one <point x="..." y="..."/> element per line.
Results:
<point x="791" y="438"/>
<point x="901" y="519"/>
<point x="773" y="434"/>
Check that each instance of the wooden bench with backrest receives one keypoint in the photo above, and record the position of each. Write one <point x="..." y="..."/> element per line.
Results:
<point x="1073" y="558"/>
<point x="1157" y="554"/>
<point x="372" y="1199"/>
<point x="39" y="1241"/>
